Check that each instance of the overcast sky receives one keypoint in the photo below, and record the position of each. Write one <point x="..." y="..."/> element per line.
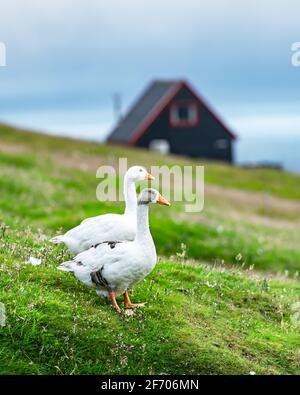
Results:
<point x="65" y="59"/>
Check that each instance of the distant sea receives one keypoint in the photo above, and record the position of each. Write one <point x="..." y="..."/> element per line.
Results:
<point x="283" y="150"/>
<point x="250" y="148"/>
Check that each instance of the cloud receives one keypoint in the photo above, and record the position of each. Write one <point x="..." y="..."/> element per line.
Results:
<point x="60" y="51"/>
<point x="36" y="26"/>
<point x="270" y="125"/>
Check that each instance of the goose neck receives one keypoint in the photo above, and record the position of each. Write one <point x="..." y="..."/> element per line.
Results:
<point x="143" y="231"/>
<point x="130" y="196"/>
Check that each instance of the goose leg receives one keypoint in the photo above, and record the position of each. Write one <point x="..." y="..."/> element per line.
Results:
<point x="112" y="297"/>
<point x="128" y="303"/>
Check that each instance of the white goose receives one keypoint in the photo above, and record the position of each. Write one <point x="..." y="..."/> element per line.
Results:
<point x="113" y="267"/>
<point x="118" y="227"/>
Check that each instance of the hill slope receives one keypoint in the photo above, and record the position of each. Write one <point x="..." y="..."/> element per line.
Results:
<point x="200" y="317"/>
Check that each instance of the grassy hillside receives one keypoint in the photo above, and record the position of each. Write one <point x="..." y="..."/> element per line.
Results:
<point x="225" y="309"/>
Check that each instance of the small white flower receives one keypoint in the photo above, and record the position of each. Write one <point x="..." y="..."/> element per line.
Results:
<point x="252" y="373"/>
<point x="211" y="285"/>
<point x="2" y="315"/>
<point x="33" y="261"/>
<point x="220" y="229"/>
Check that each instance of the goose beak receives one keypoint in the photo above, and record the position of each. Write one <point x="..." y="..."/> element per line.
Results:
<point x="150" y="177"/>
<point x="163" y="201"/>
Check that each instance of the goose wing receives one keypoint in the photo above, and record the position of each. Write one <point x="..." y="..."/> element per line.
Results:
<point x="108" y="252"/>
<point x="98" y="229"/>
<point x="93" y="260"/>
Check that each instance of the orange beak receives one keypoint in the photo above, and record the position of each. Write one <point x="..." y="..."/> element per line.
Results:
<point x="163" y="201"/>
<point x="149" y="177"/>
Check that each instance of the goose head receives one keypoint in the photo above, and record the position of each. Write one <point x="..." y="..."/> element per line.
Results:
<point x="150" y="195"/>
<point x="138" y="173"/>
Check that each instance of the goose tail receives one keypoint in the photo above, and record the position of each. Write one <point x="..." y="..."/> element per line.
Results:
<point x="57" y="239"/>
<point x="67" y="266"/>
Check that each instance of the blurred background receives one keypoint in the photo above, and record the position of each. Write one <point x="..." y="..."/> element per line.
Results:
<point x="68" y="61"/>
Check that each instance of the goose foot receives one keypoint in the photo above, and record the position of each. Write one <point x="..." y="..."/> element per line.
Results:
<point x="112" y="297"/>
<point x="128" y="303"/>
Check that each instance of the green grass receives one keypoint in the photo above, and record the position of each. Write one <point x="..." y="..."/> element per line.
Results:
<point x="278" y="183"/>
<point x="198" y="319"/>
<point x="224" y="310"/>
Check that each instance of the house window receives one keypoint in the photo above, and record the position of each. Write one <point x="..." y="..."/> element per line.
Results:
<point x="184" y="114"/>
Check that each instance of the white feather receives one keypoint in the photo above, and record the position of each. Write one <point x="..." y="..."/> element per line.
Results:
<point x="107" y="227"/>
<point x="121" y="265"/>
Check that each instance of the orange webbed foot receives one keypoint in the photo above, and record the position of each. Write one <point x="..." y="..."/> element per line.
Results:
<point x="128" y="303"/>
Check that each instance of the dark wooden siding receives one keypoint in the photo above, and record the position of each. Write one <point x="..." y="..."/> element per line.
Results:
<point x="198" y="141"/>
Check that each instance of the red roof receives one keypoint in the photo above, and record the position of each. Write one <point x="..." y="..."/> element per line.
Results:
<point x="146" y="110"/>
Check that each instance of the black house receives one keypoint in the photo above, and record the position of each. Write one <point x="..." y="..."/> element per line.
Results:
<point x="171" y="117"/>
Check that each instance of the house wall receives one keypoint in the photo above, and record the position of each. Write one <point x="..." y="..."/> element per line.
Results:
<point x="198" y="141"/>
